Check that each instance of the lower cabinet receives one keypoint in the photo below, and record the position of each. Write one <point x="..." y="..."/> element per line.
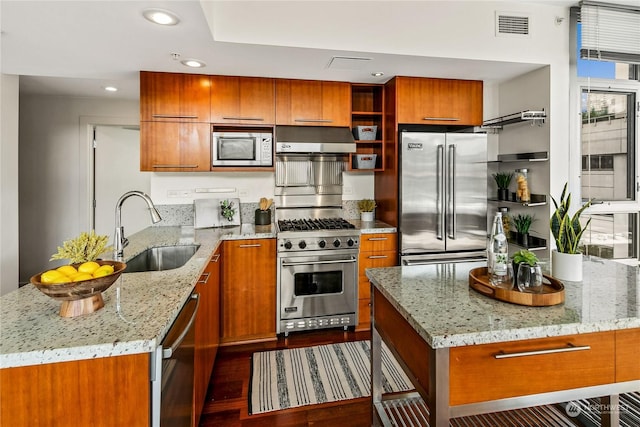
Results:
<point x="207" y="332"/>
<point x="376" y="250"/>
<point x="248" y="290"/>
<point x="107" y="391"/>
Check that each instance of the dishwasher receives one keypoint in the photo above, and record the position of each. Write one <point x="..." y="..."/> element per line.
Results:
<point x="172" y="384"/>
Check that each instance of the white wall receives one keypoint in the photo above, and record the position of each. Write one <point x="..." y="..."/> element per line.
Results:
<point x="8" y="183"/>
<point x="53" y="175"/>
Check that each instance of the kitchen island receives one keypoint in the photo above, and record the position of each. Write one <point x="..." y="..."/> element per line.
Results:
<point x="469" y="354"/>
<point x="105" y="358"/>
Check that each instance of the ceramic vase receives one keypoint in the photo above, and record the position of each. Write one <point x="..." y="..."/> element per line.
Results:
<point x="566" y="266"/>
<point x="366" y="216"/>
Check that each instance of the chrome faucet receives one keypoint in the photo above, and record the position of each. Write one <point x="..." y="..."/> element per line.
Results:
<point x="120" y="242"/>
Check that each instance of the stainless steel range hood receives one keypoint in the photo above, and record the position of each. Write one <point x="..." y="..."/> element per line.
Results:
<point x="314" y="139"/>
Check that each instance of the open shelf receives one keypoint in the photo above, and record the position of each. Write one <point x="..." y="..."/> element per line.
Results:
<point x="536" y="200"/>
<point x="533" y="243"/>
<point x="367" y="109"/>
<point x="539" y="156"/>
<point x="537" y="116"/>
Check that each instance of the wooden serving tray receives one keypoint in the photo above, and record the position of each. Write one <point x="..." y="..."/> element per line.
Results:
<point x="552" y="290"/>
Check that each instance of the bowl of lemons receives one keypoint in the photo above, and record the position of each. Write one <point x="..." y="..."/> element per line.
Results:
<point x="79" y="286"/>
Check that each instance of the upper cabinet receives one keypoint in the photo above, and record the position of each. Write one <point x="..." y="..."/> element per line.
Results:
<point x="174" y="97"/>
<point x="438" y="101"/>
<point x="313" y="103"/>
<point x="175" y="147"/>
<point x="242" y="100"/>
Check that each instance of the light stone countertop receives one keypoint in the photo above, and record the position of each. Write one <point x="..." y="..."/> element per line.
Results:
<point x="438" y="303"/>
<point x="32" y="332"/>
<point x="372" y="227"/>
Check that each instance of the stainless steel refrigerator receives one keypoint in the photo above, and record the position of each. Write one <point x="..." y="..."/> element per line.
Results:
<point x="443" y="197"/>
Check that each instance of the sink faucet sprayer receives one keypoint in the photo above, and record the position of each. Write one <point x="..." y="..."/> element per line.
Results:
<point x="120" y="242"/>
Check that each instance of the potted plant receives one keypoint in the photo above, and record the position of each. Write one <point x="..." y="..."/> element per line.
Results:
<point x="227" y="210"/>
<point x="566" y="259"/>
<point x="527" y="272"/>
<point x="503" y="180"/>
<point x="522" y="222"/>
<point x="366" y="207"/>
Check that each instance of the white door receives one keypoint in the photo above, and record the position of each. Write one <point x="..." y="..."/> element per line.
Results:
<point x="116" y="171"/>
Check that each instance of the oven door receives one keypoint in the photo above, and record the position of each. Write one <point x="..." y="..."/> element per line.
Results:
<point x="318" y="285"/>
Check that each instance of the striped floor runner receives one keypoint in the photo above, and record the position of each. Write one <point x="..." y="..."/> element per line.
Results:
<point x="282" y="379"/>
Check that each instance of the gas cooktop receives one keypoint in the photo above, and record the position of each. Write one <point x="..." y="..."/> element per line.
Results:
<point x="309" y="224"/>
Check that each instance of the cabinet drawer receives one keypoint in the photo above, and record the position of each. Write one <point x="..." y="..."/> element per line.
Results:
<point x="495" y="371"/>
<point x="378" y="242"/>
<point x="627" y="351"/>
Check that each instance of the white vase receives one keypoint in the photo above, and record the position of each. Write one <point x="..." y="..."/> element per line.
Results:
<point x="366" y="216"/>
<point x="566" y="266"/>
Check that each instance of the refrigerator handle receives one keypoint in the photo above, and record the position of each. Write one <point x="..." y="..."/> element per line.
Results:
<point x="452" y="190"/>
<point x="440" y="201"/>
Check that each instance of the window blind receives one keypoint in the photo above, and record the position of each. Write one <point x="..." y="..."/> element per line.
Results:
<point x="610" y="32"/>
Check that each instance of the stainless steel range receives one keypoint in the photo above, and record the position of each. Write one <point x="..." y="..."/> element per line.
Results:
<point x="317" y="274"/>
<point x="317" y="249"/>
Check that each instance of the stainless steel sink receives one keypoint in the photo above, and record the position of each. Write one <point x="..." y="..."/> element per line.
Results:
<point x="161" y="258"/>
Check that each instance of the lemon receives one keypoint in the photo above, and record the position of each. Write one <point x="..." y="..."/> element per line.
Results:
<point x="67" y="270"/>
<point x="104" y="270"/>
<point x="50" y="275"/>
<point x="81" y="276"/>
<point x="61" y="279"/>
<point x="88" y="267"/>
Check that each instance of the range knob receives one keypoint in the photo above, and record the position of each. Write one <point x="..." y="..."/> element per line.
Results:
<point x="288" y="245"/>
<point x="350" y="242"/>
<point x="302" y="244"/>
<point x="322" y="243"/>
<point x="336" y="243"/>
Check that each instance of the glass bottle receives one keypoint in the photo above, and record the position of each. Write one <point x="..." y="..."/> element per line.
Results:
<point x="522" y="186"/>
<point x="500" y="270"/>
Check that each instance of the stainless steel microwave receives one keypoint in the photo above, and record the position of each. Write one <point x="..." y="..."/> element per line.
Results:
<point x="231" y="148"/>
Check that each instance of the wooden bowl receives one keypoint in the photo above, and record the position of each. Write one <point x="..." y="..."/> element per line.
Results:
<point x="80" y="297"/>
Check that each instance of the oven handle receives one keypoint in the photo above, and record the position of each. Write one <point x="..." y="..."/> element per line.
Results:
<point x="337" y="261"/>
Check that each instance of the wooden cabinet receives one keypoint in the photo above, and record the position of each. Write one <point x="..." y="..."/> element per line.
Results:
<point x="175" y="147"/>
<point x="376" y="250"/>
<point x="107" y="391"/>
<point x="439" y="101"/>
<point x="243" y="100"/>
<point x="174" y="97"/>
<point x="248" y="290"/>
<point x="313" y="103"/>
<point x="367" y="109"/>
<point x="207" y="332"/>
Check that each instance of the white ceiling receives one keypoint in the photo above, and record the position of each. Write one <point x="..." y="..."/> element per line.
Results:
<point x="78" y="47"/>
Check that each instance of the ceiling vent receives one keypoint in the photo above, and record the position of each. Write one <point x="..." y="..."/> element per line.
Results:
<point x="349" y="62"/>
<point x="509" y="24"/>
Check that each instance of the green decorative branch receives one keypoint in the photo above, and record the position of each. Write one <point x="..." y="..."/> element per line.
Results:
<point x="86" y="247"/>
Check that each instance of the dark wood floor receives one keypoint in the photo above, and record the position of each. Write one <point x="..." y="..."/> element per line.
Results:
<point x="228" y="396"/>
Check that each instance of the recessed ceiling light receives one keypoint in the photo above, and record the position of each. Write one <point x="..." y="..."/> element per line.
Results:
<point x="193" y="63"/>
<point x="378" y="74"/>
<point x="111" y="88"/>
<point x="161" y="16"/>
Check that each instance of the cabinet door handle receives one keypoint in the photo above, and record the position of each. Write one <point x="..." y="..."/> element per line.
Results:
<point x="255" y="245"/>
<point x="314" y="120"/>
<point x="377" y="239"/>
<point x="175" y="166"/>
<point x="377" y="256"/>
<point x="258" y="119"/>
<point x="568" y="348"/>
<point x="172" y="116"/>
<point x="215" y="258"/>
<point x="444" y="119"/>
<point x="204" y="278"/>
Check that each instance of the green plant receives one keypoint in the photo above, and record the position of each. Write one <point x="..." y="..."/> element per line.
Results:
<point x="85" y="247"/>
<point x="526" y="257"/>
<point x="566" y="229"/>
<point x="366" y="205"/>
<point x="227" y="210"/>
<point x="503" y="179"/>
<point x="522" y="222"/>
